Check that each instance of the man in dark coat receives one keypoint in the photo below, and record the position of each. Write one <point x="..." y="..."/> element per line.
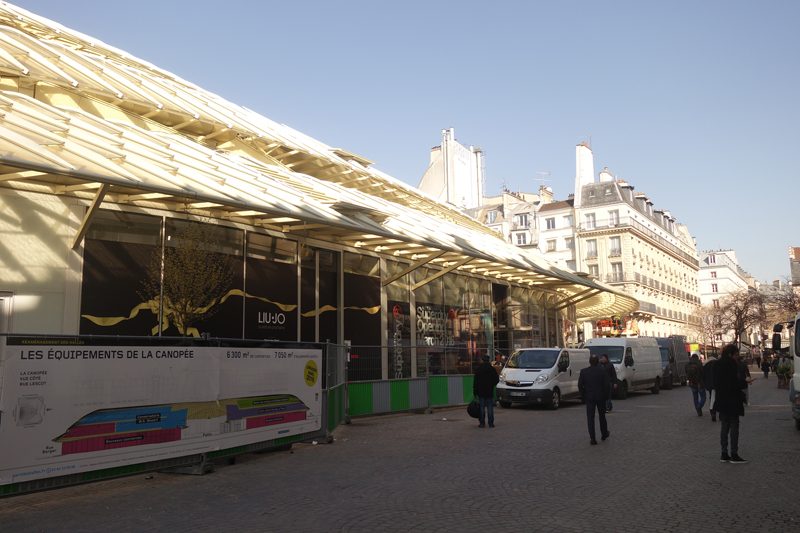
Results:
<point x="594" y="384"/>
<point x="483" y="384"/>
<point x="708" y="381"/>
<point x="694" y="375"/>
<point x="612" y="375"/>
<point x="729" y="385"/>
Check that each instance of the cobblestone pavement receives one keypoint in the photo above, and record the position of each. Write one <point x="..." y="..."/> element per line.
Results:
<point x="659" y="471"/>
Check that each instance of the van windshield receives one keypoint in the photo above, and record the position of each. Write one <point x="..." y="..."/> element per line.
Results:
<point x="614" y="353"/>
<point x="539" y="359"/>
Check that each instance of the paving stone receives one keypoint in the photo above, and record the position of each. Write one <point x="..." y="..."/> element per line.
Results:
<point x="659" y="471"/>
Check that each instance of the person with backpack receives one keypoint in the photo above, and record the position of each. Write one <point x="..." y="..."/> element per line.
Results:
<point x="708" y="381"/>
<point x="483" y="384"/>
<point x="694" y="375"/>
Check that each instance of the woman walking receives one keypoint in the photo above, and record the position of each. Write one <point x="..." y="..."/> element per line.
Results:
<point x="765" y="367"/>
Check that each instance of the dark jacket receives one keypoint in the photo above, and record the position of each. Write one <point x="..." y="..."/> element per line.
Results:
<point x="765" y="366"/>
<point x="708" y="376"/>
<point x="593" y="383"/>
<point x="485" y="379"/>
<point x="728" y="384"/>
<point x="609" y="368"/>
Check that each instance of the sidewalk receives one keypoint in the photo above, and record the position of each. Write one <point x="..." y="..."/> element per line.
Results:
<point x="659" y="471"/>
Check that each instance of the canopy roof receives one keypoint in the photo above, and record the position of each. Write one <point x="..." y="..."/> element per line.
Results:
<point x="83" y="119"/>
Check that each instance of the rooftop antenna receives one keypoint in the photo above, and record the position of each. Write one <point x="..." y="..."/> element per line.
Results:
<point x="505" y="185"/>
<point x="590" y="139"/>
<point x="541" y="179"/>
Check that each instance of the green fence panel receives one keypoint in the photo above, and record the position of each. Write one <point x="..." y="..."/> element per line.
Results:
<point x="340" y="405"/>
<point x="399" y="395"/>
<point x="359" y="397"/>
<point x="466" y="386"/>
<point x="438" y="390"/>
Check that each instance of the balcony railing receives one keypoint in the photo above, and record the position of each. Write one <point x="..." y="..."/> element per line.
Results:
<point x="646" y="231"/>
<point x="591" y="254"/>
<point x="615" y="251"/>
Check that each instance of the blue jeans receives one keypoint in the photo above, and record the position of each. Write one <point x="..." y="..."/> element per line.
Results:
<point x="701" y="393"/>
<point x="486" y="407"/>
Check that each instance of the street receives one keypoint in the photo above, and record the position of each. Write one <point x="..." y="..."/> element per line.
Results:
<point x="659" y="471"/>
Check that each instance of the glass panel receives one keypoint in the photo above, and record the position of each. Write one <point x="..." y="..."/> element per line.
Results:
<point x="261" y="246"/>
<point x="362" y="264"/>
<point x="119" y="226"/>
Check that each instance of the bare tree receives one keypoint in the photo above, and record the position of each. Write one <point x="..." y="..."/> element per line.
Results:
<point x="741" y="310"/>
<point x="188" y="278"/>
<point x="708" y="324"/>
<point x="785" y="299"/>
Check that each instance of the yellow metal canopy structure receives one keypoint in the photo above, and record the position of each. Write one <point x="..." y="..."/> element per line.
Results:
<point x="80" y="118"/>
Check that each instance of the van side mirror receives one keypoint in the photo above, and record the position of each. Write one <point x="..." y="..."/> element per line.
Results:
<point x="629" y="361"/>
<point x="776" y="342"/>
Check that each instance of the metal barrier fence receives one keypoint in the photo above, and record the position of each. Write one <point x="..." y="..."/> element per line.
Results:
<point x="444" y="378"/>
<point x="333" y="404"/>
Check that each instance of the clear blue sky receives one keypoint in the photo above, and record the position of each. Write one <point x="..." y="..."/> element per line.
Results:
<point x="696" y="104"/>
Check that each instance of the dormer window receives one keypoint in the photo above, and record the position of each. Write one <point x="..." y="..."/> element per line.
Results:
<point x="491" y="217"/>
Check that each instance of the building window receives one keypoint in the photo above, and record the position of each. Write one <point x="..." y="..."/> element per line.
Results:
<point x="718" y="337"/>
<point x="522" y="238"/>
<point x="714" y="274"/>
<point x="712" y="259"/>
<point x="491" y="217"/>
<point x="613" y="218"/>
<point x="571" y="265"/>
<point x="522" y="220"/>
<point x="616" y="271"/>
<point x="608" y="191"/>
<point x="714" y="287"/>
<point x="615" y="246"/>
<point x="591" y="194"/>
<point x="716" y="304"/>
<point x="551" y="246"/>
<point x="568" y="221"/>
<point x="569" y="243"/>
<point x="594" y="270"/>
<point x="551" y="223"/>
<point x="591" y="249"/>
<point x="590" y="221"/>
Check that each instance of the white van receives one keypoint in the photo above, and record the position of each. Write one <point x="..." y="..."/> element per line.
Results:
<point x="541" y="376"/>
<point x="637" y="361"/>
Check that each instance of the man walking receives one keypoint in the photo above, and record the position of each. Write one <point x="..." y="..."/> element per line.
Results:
<point x="694" y="375"/>
<point x="612" y="375"/>
<point x="483" y="384"/>
<point x="708" y="381"/>
<point x="729" y="403"/>
<point x="594" y="383"/>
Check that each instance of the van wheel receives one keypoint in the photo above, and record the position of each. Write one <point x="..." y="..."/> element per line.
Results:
<point x="623" y="390"/>
<point x="797" y="424"/>
<point x="657" y="387"/>
<point x="505" y="405"/>
<point x="556" y="401"/>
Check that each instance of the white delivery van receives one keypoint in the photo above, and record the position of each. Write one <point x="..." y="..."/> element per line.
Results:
<point x="541" y="376"/>
<point x="637" y="361"/>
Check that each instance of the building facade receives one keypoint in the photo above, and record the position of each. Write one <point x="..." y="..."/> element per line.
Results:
<point x="615" y="235"/>
<point x="455" y="174"/>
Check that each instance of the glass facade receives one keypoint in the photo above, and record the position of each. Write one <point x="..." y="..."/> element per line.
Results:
<point x="290" y="291"/>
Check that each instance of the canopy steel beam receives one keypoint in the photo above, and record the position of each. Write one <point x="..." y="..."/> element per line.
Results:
<point x="87" y="219"/>
<point x="575" y="298"/>
<point x="413" y="267"/>
<point x="441" y="273"/>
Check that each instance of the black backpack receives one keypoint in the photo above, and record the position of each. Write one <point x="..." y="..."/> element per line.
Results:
<point x="691" y="373"/>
